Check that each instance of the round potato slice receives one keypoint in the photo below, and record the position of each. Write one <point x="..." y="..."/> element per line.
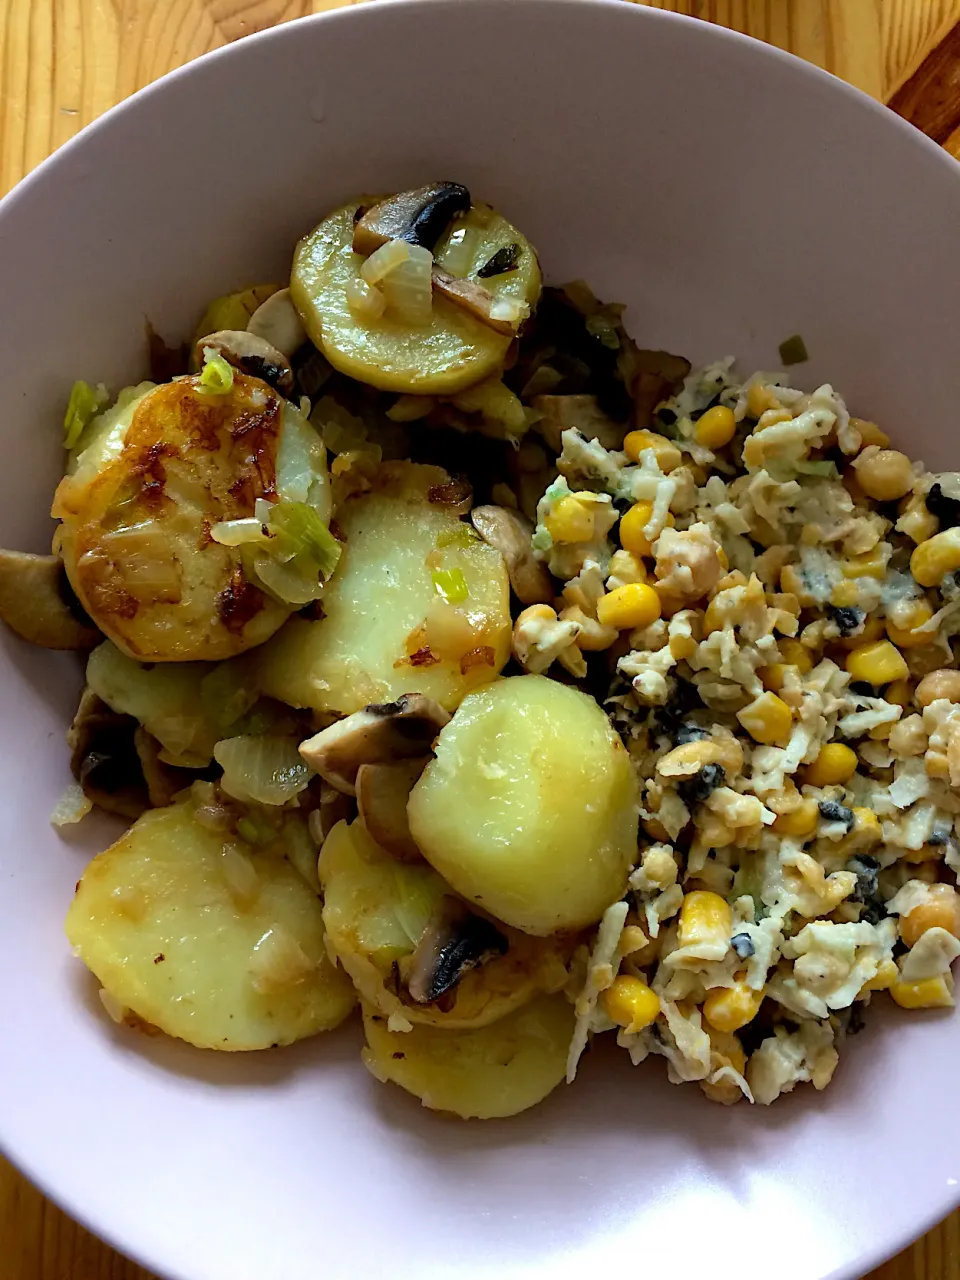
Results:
<point x="490" y="1072"/>
<point x="139" y="505"/>
<point x="376" y="910"/>
<point x="530" y="807"/>
<point x="416" y="605"/>
<point x="218" y="947"/>
<point x="443" y="357"/>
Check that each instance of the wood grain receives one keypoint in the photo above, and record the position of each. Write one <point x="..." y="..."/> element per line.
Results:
<point x="64" y="62"/>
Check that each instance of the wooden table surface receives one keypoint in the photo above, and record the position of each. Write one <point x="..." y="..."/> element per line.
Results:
<point x="63" y="62"/>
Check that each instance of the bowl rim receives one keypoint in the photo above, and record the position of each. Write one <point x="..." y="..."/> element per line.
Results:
<point x="37" y="1171"/>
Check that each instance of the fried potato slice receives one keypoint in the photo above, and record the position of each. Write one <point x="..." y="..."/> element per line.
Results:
<point x="212" y="943"/>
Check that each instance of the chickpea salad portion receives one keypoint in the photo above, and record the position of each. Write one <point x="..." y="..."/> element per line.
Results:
<point x="451" y="656"/>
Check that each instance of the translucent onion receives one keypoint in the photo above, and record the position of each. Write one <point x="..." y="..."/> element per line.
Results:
<point x="239" y="533"/>
<point x="365" y="300"/>
<point x="510" y="310"/>
<point x="267" y="769"/>
<point x="408" y="288"/>
<point x="302" y="464"/>
<point x="384" y="260"/>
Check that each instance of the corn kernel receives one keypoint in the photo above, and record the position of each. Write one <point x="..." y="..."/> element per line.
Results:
<point x="835" y="764"/>
<point x="877" y="663"/>
<point x="793" y="582"/>
<point x="716" y="427"/>
<point x="570" y="521"/>
<point x="874" y="628"/>
<point x="870" y="433"/>
<point x="767" y="719"/>
<point x="632" y="525"/>
<point x="801" y="821"/>
<point x="795" y="654"/>
<point x="704" y="917"/>
<point x="872" y="564"/>
<point x="667" y="454"/>
<point x="934" y="559"/>
<point x="915" y="520"/>
<point x="886" y="975"/>
<point x="730" y="1008"/>
<point x="629" y="607"/>
<point x="899" y="692"/>
<point x="630" y="1003"/>
<point x="864" y="834"/>
<point x="933" y="993"/>
<point x="940" y="910"/>
<point x="844" y="594"/>
<point x="760" y="399"/>
<point x="904" y="633"/>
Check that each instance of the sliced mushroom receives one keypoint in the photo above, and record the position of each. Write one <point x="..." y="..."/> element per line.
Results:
<point x="511" y="533"/>
<point x="163" y="781"/>
<point x="278" y="322"/>
<point x="382" y="794"/>
<point x="503" y="315"/>
<point x="380" y="733"/>
<point x="453" y="942"/>
<point x="37" y="603"/>
<point x="659" y="375"/>
<point x="419" y="217"/>
<point x="250" y="354"/>
<point x="579" y="413"/>
<point x="104" y="758"/>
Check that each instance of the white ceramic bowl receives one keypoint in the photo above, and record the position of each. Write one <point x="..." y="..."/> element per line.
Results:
<point x="732" y="196"/>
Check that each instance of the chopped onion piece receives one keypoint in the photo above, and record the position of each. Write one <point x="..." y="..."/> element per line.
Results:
<point x="365" y="300"/>
<point x="71" y="807"/>
<point x="384" y="260"/>
<point x="510" y="310"/>
<point x="238" y="533"/>
<point x="267" y="769"/>
<point x="408" y="288"/>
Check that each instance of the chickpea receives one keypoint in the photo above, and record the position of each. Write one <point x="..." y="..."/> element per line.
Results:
<point x="941" y="910"/>
<point x="884" y="475"/>
<point x="908" y="737"/>
<point x="939" y="684"/>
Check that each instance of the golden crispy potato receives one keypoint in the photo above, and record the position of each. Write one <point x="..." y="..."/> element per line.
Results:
<point x="531" y="805"/>
<point x="387" y="628"/>
<point x="209" y="941"/>
<point x="489" y="1072"/>
<point x="138" y="506"/>
<point x="453" y="351"/>
<point x="376" y="911"/>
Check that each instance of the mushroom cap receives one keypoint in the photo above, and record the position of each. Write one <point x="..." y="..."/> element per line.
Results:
<point x="37" y="603"/>
<point x="511" y="534"/>
<point x="380" y="733"/>
<point x="251" y="354"/>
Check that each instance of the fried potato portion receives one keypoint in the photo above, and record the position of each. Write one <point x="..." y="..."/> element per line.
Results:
<point x="489" y="1072"/>
<point x="418" y="604"/>
<point x="454" y="350"/>
<point x="530" y="807"/>
<point x="138" y="508"/>
<point x="210" y="942"/>
<point x="378" y="912"/>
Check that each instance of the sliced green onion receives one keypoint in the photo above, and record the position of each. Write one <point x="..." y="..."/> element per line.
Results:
<point x="462" y="536"/>
<point x="299" y="526"/>
<point x="793" y="350"/>
<point x="216" y="376"/>
<point x="451" y="584"/>
<point x="602" y="328"/>
<point x="83" y="406"/>
<point x="819" y="467"/>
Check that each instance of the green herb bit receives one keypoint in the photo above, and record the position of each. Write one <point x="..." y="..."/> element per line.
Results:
<point x="216" y="376"/>
<point x="83" y="406"/>
<point x="451" y="584"/>
<point x="793" y="351"/>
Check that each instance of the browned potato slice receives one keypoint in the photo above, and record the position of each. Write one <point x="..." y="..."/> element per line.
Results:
<point x="139" y="505"/>
<point x="486" y="1073"/>
<point x="220" y="946"/>
<point x="387" y="629"/>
